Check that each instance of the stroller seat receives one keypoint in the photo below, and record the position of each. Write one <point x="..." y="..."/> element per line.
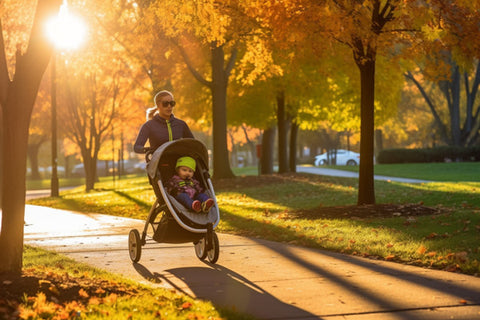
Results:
<point x="161" y="167"/>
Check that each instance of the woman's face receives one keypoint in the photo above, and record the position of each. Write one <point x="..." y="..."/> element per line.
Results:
<point x="164" y="106"/>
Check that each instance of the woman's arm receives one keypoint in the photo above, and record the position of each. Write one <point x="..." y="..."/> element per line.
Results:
<point x="139" y="146"/>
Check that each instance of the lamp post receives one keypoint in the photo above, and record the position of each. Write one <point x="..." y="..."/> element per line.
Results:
<point x="54" y="192"/>
<point x="66" y="31"/>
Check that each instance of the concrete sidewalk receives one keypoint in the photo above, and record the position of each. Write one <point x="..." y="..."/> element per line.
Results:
<point x="266" y="279"/>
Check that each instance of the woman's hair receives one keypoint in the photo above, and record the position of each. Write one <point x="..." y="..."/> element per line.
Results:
<point x="160" y="94"/>
<point x="151" y="112"/>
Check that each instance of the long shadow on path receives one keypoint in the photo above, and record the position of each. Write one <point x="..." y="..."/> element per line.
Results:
<point x="271" y="280"/>
<point x="379" y="286"/>
<point x="227" y="289"/>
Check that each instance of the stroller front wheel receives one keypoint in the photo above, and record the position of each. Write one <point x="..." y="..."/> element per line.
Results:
<point x="200" y="249"/>
<point x="134" y="245"/>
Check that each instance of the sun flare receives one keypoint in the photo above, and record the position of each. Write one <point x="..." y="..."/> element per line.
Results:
<point x="66" y="30"/>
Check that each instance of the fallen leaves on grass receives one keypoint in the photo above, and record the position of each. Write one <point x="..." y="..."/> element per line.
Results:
<point x="48" y="293"/>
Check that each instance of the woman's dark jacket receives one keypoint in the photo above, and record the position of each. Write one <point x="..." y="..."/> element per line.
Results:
<point x="158" y="131"/>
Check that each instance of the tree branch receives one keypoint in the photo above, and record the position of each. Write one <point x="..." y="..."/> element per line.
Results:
<point x="438" y="120"/>
<point x="231" y="61"/>
<point x="189" y="64"/>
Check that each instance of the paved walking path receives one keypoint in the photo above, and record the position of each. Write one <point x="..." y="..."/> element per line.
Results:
<point x="349" y="174"/>
<point x="266" y="279"/>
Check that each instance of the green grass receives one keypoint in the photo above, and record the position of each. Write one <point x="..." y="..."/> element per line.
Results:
<point x="452" y="171"/>
<point x="453" y="233"/>
<point x="269" y="210"/>
<point x="90" y="293"/>
<point x="64" y="182"/>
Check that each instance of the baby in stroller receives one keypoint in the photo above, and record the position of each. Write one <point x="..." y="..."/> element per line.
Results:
<point x="186" y="189"/>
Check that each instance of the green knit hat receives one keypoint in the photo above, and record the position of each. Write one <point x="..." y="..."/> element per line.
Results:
<point x="186" y="162"/>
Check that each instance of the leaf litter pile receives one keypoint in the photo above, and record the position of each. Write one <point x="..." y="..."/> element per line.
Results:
<point x="367" y="211"/>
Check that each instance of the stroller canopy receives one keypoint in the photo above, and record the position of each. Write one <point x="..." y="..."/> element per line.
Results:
<point x="177" y="148"/>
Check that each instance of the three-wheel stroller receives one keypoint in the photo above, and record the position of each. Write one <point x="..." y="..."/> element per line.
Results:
<point x="170" y="221"/>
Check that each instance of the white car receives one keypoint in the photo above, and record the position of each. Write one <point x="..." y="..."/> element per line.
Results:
<point x="344" y="158"/>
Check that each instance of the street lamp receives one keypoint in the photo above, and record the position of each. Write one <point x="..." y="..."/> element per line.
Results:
<point x="67" y="32"/>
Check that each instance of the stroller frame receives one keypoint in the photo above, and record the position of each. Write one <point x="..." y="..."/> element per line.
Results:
<point x="178" y="224"/>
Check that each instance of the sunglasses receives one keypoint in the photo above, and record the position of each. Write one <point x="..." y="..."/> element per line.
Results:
<point x="166" y="103"/>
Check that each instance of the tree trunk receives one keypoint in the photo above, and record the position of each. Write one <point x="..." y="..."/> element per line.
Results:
<point x="67" y="166"/>
<point x="15" y="138"/>
<point x="252" y="146"/>
<point x="1" y="159"/>
<point x="268" y="141"/>
<point x="221" y="165"/>
<point x="471" y="95"/>
<point x="218" y="86"/>
<point x="282" y="133"/>
<point x="233" y="154"/>
<point x="451" y="91"/>
<point x="90" y="159"/>
<point x="293" y="147"/>
<point x="378" y="140"/>
<point x="32" y="151"/>
<point x="17" y="103"/>
<point x="90" y="166"/>
<point x="366" y="190"/>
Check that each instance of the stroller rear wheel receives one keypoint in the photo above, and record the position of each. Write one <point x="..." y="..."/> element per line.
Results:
<point x="134" y="245"/>
<point x="214" y="252"/>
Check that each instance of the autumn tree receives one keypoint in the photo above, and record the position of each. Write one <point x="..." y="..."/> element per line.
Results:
<point x="458" y="103"/>
<point x="133" y="26"/>
<point x="228" y="33"/>
<point x="451" y="62"/>
<point x="254" y="104"/>
<point x="92" y="102"/>
<point x="17" y="97"/>
<point x="365" y="23"/>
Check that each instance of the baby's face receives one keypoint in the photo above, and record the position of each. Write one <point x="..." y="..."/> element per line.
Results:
<point x="185" y="172"/>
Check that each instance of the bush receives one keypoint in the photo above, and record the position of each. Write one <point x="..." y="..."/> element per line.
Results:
<point x="439" y="154"/>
